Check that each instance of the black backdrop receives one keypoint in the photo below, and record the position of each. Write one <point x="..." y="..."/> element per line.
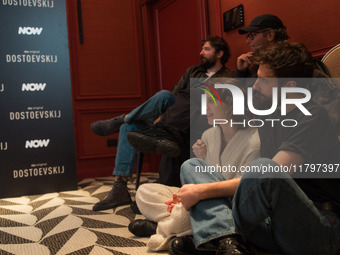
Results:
<point x="37" y="151"/>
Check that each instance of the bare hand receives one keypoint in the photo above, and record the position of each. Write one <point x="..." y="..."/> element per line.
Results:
<point x="199" y="149"/>
<point x="244" y="61"/>
<point x="189" y="195"/>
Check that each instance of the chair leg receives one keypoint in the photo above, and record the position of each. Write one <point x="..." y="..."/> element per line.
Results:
<point x="139" y="167"/>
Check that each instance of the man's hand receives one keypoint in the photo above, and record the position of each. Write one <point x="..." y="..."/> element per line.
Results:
<point x="244" y="61"/>
<point x="189" y="195"/>
<point x="199" y="149"/>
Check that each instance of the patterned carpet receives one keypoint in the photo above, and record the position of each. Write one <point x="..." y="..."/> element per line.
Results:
<point x="64" y="223"/>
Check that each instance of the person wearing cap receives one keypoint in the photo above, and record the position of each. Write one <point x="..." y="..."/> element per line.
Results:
<point x="267" y="30"/>
<point x="263" y="31"/>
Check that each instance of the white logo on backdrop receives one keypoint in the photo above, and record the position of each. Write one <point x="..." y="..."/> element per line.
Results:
<point x="30" y="30"/>
<point x="31" y="58"/>
<point x="41" y="169"/>
<point x="33" y="86"/>
<point x="35" y="115"/>
<point x="37" y="143"/>
<point x="30" y="3"/>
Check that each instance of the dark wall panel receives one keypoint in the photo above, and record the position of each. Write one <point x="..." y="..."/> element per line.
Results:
<point x="131" y="50"/>
<point x="107" y="74"/>
<point x="180" y="25"/>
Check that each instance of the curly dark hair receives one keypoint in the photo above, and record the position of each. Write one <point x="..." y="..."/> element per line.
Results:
<point x="219" y="44"/>
<point x="287" y="60"/>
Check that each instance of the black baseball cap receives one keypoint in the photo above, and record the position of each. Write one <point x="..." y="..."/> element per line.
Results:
<point x="262" y="21"/>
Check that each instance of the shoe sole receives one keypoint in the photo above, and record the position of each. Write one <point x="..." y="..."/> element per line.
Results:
<point x="110" y="206"/>
<point x="95" y="126"/>
<point x="95" y="130"/>
<point x="147" y="144"/>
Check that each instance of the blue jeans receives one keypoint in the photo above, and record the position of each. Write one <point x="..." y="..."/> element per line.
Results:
<point x="273" y="213"/>
<point x="139" y="118"/>
<point x="211" y="218"/>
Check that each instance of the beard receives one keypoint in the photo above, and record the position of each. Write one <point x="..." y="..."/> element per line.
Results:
<point x="208" y="63"/>
<point x="260" y="101"/>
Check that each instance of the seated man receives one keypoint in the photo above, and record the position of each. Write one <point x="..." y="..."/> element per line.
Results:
<point x="214" y="54"/>
<point x="171" y="135"/>
<point x="263" y="31"/>
<point x="271" y="210"/>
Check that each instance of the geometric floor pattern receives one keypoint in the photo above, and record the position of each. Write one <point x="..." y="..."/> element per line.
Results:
<point x="64" y="223"/>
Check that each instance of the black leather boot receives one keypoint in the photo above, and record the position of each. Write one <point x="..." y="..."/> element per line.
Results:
<point x="233" y="245"/>
<point x="184" y="245"/>
<point x="118" y="196"/>
<point x="143" y="228"/>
